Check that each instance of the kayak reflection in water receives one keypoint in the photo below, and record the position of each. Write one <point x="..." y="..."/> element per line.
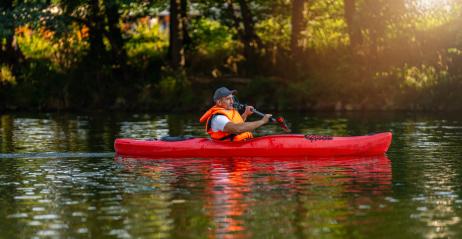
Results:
<point x="223" y="121"/>
<point x="231" y="195"/>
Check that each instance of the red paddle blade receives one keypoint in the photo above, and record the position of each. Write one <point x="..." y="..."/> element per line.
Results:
<point x="283" y="124"/>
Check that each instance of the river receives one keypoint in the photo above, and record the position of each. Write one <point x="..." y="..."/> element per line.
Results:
<point x="59" y="179"/>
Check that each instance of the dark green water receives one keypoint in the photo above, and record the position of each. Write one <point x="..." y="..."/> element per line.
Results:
<point x="59" y="179"/>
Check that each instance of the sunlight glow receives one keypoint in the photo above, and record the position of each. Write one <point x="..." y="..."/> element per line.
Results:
<point x="429" y="14"/>
<point x="429" y="5"/>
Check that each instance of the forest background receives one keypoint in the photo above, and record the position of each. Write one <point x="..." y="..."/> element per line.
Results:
<point x="169" y="56"/>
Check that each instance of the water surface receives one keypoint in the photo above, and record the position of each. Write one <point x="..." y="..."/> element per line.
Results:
<point x="59" y="179"/>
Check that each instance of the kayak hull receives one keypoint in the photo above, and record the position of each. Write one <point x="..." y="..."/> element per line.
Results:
<point x="292" y="145"/>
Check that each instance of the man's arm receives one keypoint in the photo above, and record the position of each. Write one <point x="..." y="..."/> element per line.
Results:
<point x="234" y="128"/>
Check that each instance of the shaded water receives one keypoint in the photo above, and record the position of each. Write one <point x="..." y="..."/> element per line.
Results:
<point x="59" y="179"/>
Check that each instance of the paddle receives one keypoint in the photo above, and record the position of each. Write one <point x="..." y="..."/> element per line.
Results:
<point x="279" y="120"/>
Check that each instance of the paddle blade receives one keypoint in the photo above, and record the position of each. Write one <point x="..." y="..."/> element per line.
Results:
<point x="283" y="124"/>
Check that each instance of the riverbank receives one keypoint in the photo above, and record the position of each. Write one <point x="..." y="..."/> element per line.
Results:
<point x="186" y="94"/>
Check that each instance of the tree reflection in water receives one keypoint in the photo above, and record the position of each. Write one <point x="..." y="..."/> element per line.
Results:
<point x="259" y="197"/>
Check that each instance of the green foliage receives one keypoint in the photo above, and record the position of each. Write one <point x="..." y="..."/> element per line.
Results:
<point x="211" y="38"/>
<point x="326" y="28"/>
<point x="425" y="15"/>
<point x="275" y="32"/>
<point x="175" y="91"/>
<point x="70" y="48"/>
<point x="421" y="77"/>
<point x="34" y="45"/>
<point x="408" y="55"/>
<point x="414" y="86"/>
<point x="146" y="41"/>
<point x="64" y="52"/>
<point x="138" y="9"/>
<point x="213" y="50"/>
<point x="6" y="76"/>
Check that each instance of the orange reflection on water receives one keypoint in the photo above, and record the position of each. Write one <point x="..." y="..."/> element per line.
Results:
<point x="227" y="186"/>
<point x="232" y="186"/>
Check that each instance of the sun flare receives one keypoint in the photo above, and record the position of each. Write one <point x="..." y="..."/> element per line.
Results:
<point x="426" y="5"/>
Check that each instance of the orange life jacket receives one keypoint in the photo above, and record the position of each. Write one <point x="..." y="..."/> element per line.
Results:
<point x="233" y="115"/>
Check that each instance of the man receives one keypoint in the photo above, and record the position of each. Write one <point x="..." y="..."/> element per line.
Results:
<point x="223" y="122"/>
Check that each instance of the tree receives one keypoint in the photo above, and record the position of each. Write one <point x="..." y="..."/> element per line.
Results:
<point x="354" y="30"/>
<point x="250" y="38"/>
<point x="95" y="24"/>
<point x="177" y="23"/>
<point x="297" y="25"/>
<point x="118" y="52"/>
<point x="184" y="18"/>
<point x="10" y="53"/>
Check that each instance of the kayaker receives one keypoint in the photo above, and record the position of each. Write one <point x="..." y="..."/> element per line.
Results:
<point x="223" y="121"/>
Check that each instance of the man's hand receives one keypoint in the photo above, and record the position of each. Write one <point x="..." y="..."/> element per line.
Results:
<point x="248" y="110"/>
<point x="266" y="118"/>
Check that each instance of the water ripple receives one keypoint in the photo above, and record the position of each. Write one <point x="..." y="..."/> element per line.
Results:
<point x="55" y="155"/>
<point x="66" y="188"/>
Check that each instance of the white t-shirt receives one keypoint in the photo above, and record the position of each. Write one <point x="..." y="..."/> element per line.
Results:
<point x="219" y="122"/>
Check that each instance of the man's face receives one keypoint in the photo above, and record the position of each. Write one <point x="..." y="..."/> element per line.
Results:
<point x="226" y="102"/>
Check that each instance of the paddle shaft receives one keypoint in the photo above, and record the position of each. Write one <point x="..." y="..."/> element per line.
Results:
<point x="262" y="114"/>
<point x="279" y="120"/>
<point x="242" y="106"/>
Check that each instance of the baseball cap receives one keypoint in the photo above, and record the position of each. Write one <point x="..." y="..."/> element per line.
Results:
<point x="222" y="92"/>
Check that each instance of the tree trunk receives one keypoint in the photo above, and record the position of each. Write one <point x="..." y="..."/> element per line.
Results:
<point x="95" y="33"/>
<point x="89" y="87"/>
<point x="250" y="39"/>
<point x="297" y="25"/>
<point x="236" y="20"/>
<point x="10" y="53"/>
<point x="176" y="48"/>
<point x="118" y="52"/>
<point x="375" y="24"/>
<point x="184" y="18"/>
<point x="354" y="31"/>
<point x="252" y="43"/>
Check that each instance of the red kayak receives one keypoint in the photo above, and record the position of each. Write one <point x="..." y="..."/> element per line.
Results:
<point x="288" y="145"/>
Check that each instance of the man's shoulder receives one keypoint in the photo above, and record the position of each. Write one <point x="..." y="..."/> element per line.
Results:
<point x="219" y="122"/>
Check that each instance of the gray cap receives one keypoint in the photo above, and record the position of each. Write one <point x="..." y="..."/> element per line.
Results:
<point x="222" y="92"/>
